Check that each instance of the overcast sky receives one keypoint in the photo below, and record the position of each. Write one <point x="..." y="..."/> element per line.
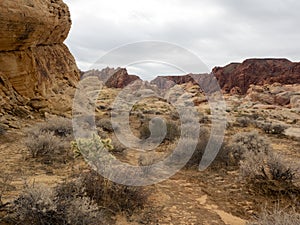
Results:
<point x="217" y="31"/>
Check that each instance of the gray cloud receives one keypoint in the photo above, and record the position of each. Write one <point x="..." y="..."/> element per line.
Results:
<point x="218" y="31"/>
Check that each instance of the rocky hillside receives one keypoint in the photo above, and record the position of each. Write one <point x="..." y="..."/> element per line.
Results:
<point x="237" y="77"/>
<point x="36" y="68"/>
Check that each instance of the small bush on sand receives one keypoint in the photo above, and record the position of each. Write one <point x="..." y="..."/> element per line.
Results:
<point x="112" y="196"/>
<point x="50" y="140"/>
<point x="60" y="126"/>
<point x="145" y="160"/>
<point x="2" y="130"/>
<point x="42" y="205"/>
<point x="173" y="132"/>
<point x="105" y="124"/>
<point x="247" y="142"/>
<point x="268" y="173"/>
<point x="44" y="144"/>
<point x="222" y="158"/>
<point x="270" y="128"/>
<point x="243" y="121"/>
<point x="277" y="218"/>
<point x="36" y="205"/>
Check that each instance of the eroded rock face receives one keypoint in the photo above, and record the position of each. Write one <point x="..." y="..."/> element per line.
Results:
<point x="30" y="23"/>
<point x="166" y="82"/>
<point x="121" y="79"/>
<point x="257" y="72"/>
<point x="113" y="78"/>
<point x="33" y="59"/>
<point x="275" y="94"/>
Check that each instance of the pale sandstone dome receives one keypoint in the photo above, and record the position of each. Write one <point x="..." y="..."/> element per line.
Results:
<point x="34" y="62"/>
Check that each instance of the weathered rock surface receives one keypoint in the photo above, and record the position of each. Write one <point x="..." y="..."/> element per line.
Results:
<point x="34" y="62"/>
<point x="121" y="79"/>
<point x="166" y="82"/>
<point x="275" y="94"/>
<point x="258" y="72"/>
<point x="113" y="78"/>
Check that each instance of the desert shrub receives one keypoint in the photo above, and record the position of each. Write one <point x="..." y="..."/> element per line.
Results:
<point x="270" y="128"/>
<point x="112" y="196"/>
<point x="268" y="172"/>
<point x="60" y="126"/>
<point x="200" y="148"/>
<point x="243" y="121"/>
<point x="36" y="205"/>
<point x="105" y="124"/>
<point x="247" y="142"/>
<point x="222" y="158"/>
<point x="63" y="205"/>
<point x="44" y="144"/>
<point x="83" y="211"/>
<point x="119" y="148"/>
<point x="277" y="217"/>
<point x="5" y="185"/>
<point x="173" y="132"/>
<point x="2" y="130"/>
<point x="50" y="139"/>
<point x="146" y="160"/>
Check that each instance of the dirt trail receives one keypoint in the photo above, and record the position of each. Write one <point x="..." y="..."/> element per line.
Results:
<point x="187" y="203"/>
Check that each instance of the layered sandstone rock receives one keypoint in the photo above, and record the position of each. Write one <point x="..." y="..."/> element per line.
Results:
<point x="239" y="76"/>
<point x="34" y="61"/>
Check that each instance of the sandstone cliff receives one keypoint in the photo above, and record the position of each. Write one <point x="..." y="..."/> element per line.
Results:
<point x="35" y="65"/>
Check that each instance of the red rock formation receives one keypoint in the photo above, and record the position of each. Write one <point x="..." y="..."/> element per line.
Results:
<point x="113" y="78"/>
<point x="166" y="82"/>
<point x="121" y="79"/>
<point x="33" y="58"/>
<point x="258" y="72"/>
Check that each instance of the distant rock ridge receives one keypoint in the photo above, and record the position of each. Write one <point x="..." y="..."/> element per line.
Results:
<point x="237" y="77"/>
<point x="35" y="65"/>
